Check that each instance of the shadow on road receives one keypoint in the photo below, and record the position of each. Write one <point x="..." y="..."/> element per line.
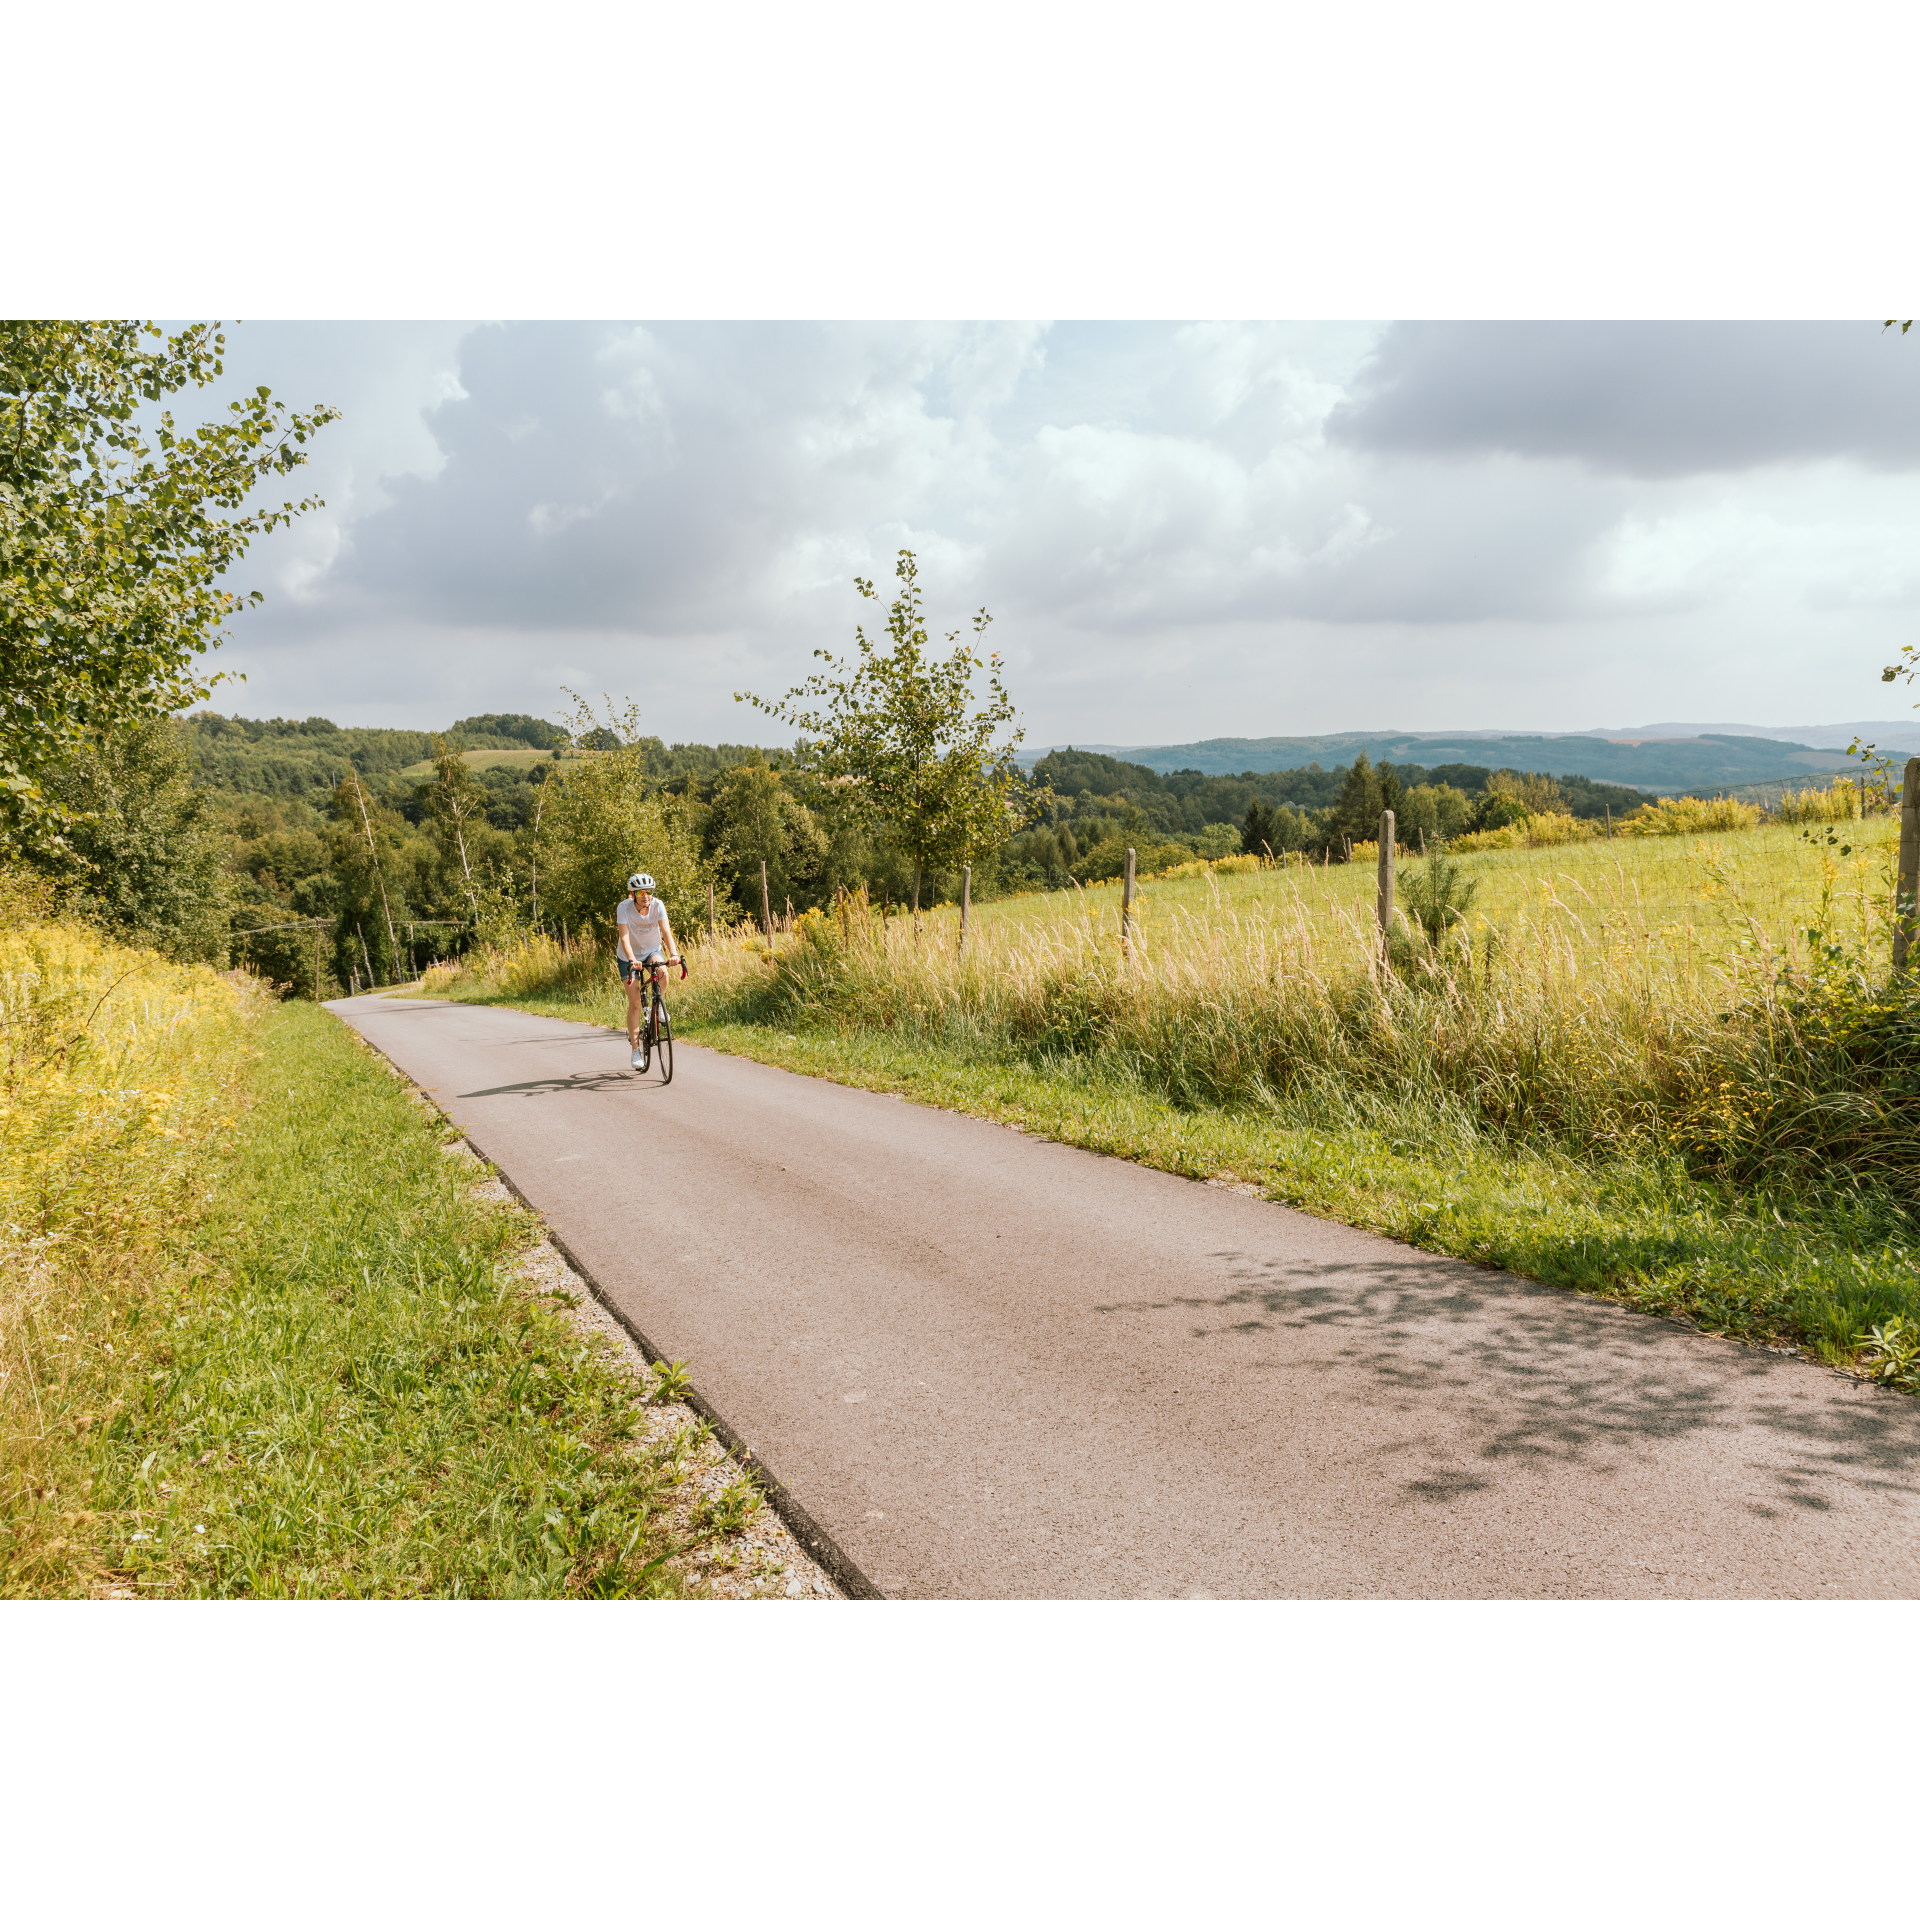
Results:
<point x="609" y="1081"/>
<point x="1542" y="1378"/>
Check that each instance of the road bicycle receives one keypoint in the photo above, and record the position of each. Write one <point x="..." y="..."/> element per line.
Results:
<point x="656" y="1031"/>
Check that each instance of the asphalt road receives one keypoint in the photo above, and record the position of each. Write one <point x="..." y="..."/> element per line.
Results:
<point x="992" y="1366"/>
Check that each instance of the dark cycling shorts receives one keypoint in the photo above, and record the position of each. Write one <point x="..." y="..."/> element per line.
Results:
<point x="630" y="969"/>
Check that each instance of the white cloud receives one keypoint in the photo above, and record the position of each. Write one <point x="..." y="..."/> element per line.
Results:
<point x="1180" y="530"/>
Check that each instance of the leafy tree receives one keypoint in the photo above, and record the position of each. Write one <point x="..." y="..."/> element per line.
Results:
<point x="1497" y="809"/>
<point x="607" y="817"/>
<point x="143" y="854"/>
<point x="114" y="532"/>
<point x="1358" y="809"/>
<point x="1431" y="813"/>
<point x="1537" y="792"/>
<point x="1260" y="830"/>
<point x="899" y="736"/>
<point x="754" y="818"/>
<point x="457" y="804"/>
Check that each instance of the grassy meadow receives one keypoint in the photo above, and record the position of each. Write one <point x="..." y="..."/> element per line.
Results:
<point x="1667" y="1067"/>
<point x="259" y="1337"/>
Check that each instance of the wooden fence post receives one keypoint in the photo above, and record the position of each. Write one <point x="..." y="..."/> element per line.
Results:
<point x="966" y="896"/>
<point x="1126" y="908"/>
<point x="1908" y="886"/>
<point x="711" y="931"/>
<point x="1385" y="901"/>
<point x="766" y="907"/>
<point x="316" y="963"/>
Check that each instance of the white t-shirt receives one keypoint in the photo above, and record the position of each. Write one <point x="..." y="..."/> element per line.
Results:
<point x="648" y="927"/>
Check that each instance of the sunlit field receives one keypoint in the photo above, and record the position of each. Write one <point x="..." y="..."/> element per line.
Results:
<point x="1675" y="1069"/>
<point x="1718" y="898"/>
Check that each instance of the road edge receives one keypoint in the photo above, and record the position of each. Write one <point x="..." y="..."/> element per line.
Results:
<point x="819" y="1545"/>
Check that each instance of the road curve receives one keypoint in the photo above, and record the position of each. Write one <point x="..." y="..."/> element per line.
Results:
<point x="995" y="1367"/>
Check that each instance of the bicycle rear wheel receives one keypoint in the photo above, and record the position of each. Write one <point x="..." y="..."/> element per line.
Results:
<point x="663" y="1047"/>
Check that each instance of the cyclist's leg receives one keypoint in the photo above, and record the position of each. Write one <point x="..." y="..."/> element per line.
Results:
<point x="636" y="985"/>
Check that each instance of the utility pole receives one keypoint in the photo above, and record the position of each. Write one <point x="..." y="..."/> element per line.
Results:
<point x="766" y="908"/>
<point x="1126" y="908"/>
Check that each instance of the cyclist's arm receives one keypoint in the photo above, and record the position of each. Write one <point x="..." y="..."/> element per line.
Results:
<point x="667" y="940"/>
<point x="624" y="944"/>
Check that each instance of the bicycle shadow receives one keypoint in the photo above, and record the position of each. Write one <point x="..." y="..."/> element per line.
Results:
<point x="609" y="1081"/>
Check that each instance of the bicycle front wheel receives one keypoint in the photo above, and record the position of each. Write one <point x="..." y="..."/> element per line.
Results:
<point x="663" y="1048"/>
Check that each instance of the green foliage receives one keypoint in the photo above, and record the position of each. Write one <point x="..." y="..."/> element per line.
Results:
<point x="1437" y="899"/>
<point x="1435" y="800"/>
<point x="114" y="532"/>
<point x="331" y="1382"/>
<point x="1496" y="810"/>
<point x="899" y="735"/>
<point x="754" y="818"/>
<point x="607" y="817"/>
<point x="143" y="855"/>
<point x="456" y="805"/>
<point x="1215" y="841"/>
<point x="1358" y="809"/>
<point x="1689" y="815"/>
<point x="485" y="729"/>
<point x="670" y="1382"/>
<point x="1431" y="813"/>
<point x="1108" y="859"/>
<point x="1260" y="831"/>
<point x="1891" y="1353"/>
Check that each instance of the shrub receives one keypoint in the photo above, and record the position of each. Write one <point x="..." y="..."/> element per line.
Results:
<point x="1687" y="815"/>
<point x="1436" y="899"/>
<point x="1817" y="806"/>
<point x="1530" y="830"/>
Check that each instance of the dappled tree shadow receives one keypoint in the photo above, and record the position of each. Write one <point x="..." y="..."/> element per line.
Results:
<point x="1536" y="1377"/>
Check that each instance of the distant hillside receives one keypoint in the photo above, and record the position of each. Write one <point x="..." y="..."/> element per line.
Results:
<point x="1712" y="762"/>
<point x="305" y="759"/>
<point x="300" y="762"/>
<point x="1188" y="800"/>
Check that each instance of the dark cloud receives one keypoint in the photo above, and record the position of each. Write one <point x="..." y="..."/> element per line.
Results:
<point x="1656" y="399"/>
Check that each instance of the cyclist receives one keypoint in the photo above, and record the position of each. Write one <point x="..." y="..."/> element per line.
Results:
<point x="640" y="920"/>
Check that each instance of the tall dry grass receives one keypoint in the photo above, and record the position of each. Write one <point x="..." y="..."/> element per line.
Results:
<point x="1576" y="1022"/>
<point x="119" y="1075"/>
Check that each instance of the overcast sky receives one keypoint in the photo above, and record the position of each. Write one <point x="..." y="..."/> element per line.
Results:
<point x="1180" y="530"/>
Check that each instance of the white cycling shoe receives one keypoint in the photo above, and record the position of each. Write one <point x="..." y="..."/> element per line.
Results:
<point x="639" y="1059"/>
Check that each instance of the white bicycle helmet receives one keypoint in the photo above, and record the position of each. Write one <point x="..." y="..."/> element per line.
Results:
<point x="638" y="882"/>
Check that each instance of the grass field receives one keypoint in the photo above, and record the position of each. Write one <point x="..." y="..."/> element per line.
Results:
<point x="1630" y="1070"/>
<point x="260" y="1336"/>
<point x="480" y="757"/>
<point x="1705" y="898"/>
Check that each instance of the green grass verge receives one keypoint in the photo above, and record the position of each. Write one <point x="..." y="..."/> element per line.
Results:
<point x="346" y="1391"/>
<point x="1817" y="1272"/>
